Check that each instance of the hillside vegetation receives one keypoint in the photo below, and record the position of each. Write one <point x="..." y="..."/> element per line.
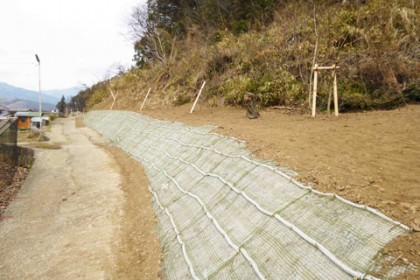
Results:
<point x="268" y="47"/>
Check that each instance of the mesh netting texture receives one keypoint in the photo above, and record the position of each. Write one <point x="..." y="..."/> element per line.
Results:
<point x="225" y="215"/>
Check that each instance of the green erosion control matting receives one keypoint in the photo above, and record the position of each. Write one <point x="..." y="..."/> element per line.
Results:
<point x="224" y="215"/>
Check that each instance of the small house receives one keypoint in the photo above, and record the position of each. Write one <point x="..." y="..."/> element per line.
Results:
<point x="24" y="119"/>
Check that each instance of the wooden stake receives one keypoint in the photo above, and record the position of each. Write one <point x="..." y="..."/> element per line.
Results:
<point x="335" y="93"/>
<point x="198" y="96"/>
<point x="144" y="101"/>
<point x="315" y="90"/>
<point x="329" y="101"/>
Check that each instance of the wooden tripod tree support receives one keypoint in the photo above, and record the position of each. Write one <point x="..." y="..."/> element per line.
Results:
<point x="332" y="68"/>
<point x="114" y="97"/>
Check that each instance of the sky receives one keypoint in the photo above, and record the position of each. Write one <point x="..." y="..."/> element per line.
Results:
<point x="77" y="41"/>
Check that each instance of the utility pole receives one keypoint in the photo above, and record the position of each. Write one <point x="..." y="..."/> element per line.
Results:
<point x="39" y="78"/>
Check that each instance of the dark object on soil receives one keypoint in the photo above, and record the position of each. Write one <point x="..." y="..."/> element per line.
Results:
<point x="251" y="107"/>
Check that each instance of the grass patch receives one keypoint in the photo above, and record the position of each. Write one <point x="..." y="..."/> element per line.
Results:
<point x="46" y="146"/>
<point x="31" y="136"/>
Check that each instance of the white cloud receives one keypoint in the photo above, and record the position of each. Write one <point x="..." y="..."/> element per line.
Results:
<point x="76" y="40"/>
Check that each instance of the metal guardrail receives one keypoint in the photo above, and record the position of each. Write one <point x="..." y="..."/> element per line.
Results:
<point x="9" y="153"/>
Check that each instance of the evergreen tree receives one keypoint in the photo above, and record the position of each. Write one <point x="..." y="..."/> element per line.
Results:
<point x="61" y="105"/>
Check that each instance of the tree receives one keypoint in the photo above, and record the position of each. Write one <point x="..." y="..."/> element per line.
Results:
<point x="155" y="28"/>
<point x="61" y="105"/>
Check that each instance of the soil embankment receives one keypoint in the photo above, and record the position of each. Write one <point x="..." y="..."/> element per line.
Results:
<point x="370" y="158"/>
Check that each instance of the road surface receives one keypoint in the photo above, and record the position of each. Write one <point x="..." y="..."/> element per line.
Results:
<point x="70" y="221"/>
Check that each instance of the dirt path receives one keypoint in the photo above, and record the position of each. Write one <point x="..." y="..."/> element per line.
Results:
<point x="73" y="218"/>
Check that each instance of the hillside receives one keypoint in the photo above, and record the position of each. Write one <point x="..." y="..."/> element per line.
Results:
<point x="376" y="46"/>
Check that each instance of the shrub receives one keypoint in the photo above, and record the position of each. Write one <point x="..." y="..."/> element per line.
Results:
<point x="276" y="88"/>
<point x="412" y="93"/>
<point x="182" y="99"/>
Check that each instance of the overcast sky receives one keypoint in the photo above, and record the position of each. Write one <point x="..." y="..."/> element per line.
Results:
<point x="76" y="40"/>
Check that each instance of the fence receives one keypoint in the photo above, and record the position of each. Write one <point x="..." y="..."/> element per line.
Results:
<point x="9" y="153"/>
<point x="225" y="215"/>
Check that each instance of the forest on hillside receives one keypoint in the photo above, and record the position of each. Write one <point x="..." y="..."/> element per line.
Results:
<point x="269" y="47"/>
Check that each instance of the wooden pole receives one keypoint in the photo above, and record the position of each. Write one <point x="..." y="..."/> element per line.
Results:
<point x="328" y="67"/>
<point x="315" y="90"/>
<point x="144" y="101"/>
<point x="198" y="96"/>
<point x="335" y="93"/>
<point x="329" y="101"/>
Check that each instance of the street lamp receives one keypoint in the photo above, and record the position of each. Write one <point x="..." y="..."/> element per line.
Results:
<point x="39" y="75"/>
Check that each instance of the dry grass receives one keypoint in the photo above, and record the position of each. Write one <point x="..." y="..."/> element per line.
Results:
<point x="375" y="45"/>
<point x="46" y="146"/>
<point x="31" y="136"/>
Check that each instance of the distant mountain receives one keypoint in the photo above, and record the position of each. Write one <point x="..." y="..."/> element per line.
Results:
<point x="16" y="104"/>
<point x="20" y="98"/>
<point x="67" y="93"/>
<point x="12" y="92"/>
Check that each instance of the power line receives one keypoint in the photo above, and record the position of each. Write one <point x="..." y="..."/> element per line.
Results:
<point x="17" y="63"/>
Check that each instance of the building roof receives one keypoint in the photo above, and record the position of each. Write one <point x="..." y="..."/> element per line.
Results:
<point x="4" y="114"/>
<point x="38" y="119"/>
<point x="20" y="110"/>
<point x="27" y="114"/>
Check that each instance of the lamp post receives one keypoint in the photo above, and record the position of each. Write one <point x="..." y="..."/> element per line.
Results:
<point x="39" y="77"/>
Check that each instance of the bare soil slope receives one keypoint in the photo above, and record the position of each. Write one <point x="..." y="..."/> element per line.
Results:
<point x="371" y="158"/>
